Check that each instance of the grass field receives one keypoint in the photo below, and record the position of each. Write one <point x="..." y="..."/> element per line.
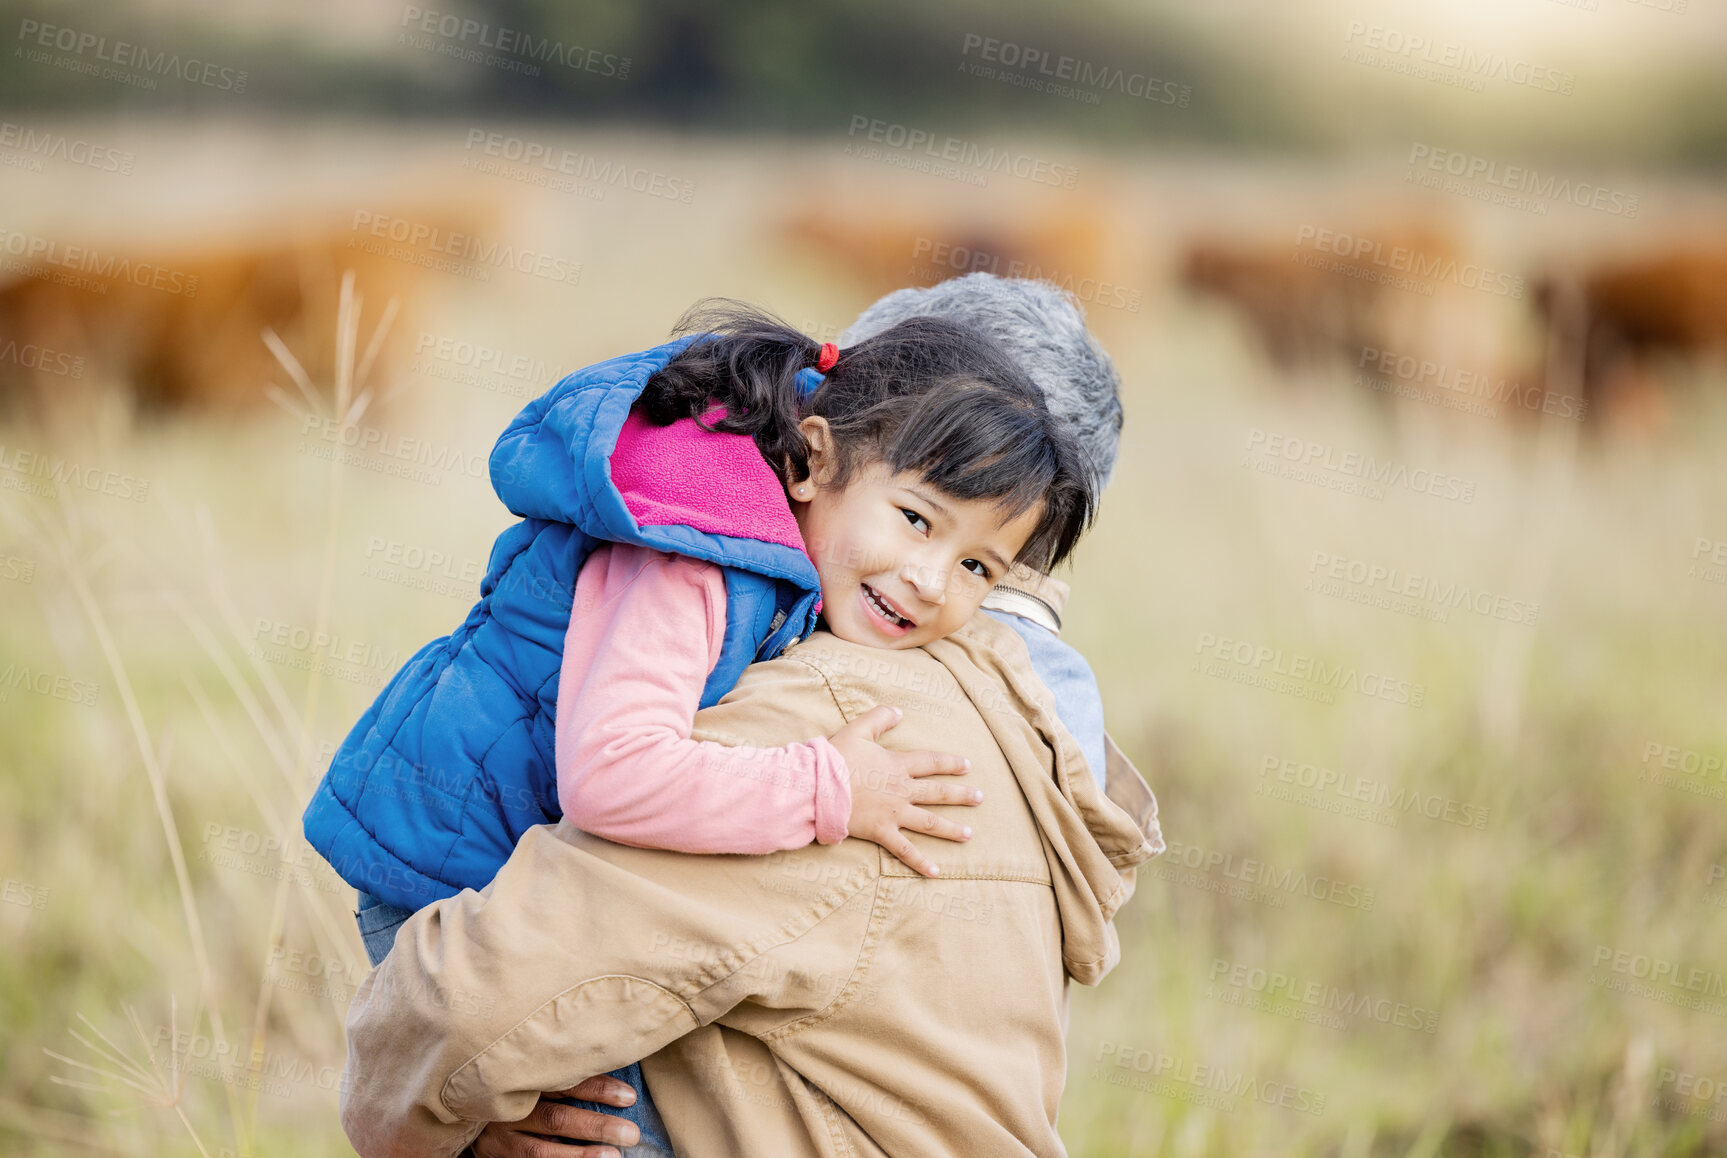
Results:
<point x="1474" y="905"/>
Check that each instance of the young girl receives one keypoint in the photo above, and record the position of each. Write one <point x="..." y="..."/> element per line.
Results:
<point x="686" y="511"/>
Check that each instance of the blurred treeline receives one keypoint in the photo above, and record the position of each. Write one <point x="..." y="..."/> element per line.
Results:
<point x="809" y="66"/>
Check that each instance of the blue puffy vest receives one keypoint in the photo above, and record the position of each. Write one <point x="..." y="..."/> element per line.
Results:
<point x="454" y="760"/>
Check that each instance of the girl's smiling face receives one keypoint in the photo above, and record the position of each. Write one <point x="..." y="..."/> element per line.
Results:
<point x="901" y="563"/>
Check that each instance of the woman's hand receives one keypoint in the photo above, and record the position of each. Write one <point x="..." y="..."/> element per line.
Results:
<point x="536" y="1136"/>
<point x="887" y="789"/>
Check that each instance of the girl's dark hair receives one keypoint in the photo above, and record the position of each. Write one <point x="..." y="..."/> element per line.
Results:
<point x="926" y="395"/>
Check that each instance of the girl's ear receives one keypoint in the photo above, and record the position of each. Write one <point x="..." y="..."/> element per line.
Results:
<point x="820" y="441"/>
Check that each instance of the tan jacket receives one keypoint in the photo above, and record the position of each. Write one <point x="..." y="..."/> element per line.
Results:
<point x="827" y="1001"/>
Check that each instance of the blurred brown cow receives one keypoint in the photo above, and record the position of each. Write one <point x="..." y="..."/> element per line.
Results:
<point x="1308" y="306"/>
<point x="180" y="326"/>
<point x="1299" y="314"/>
<point x="884" y="248"/>
<point x="1623" y="318"/>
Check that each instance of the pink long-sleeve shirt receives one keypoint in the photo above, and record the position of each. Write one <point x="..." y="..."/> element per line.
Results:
<point x="646" y="633"/>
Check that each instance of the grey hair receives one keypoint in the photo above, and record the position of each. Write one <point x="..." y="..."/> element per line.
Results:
<point x="1042" y="328"/>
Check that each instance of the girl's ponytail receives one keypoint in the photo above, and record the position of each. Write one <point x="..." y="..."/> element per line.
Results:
<point x="748" y="362"/>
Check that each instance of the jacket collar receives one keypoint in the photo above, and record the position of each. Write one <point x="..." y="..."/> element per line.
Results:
<point x="1030" y="595"/>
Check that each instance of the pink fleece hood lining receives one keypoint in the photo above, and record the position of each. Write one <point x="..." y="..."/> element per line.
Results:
<point x="682" y="475"/>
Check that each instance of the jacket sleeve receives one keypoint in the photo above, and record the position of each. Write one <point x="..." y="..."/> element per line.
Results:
<point x="582" y="956"/>
<point x="438" y="1032"/>
<point x="646" y="632"/>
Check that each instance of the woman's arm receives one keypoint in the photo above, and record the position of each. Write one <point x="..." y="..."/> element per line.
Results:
<point x="645" y="632"/>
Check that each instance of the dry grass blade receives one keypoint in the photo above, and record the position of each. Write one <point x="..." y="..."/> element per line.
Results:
<point x="98" y="621"/>
<point x="347" y="330"/>
<point x="266" y="809"/>
<point x="174" y="1075"/>
<point x="280" y="397"/>
<point x="295" y="371"/>
<point x="119" y="1056"/>
<point x="218" y="656"/>
<point x="376" y="344"/>
<point x="215" y="575"/>
<point x="111" y="1075"/>
<point x="347" y="334"/>
<point x="158" y="1088"/>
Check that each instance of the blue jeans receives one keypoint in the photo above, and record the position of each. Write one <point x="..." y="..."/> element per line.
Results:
<point x="378" y="925"/>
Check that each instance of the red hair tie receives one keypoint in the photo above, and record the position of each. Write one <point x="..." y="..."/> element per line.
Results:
<point x="829" y="355"/>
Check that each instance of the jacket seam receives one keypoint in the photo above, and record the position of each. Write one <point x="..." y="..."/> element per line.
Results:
<point x="819" y="666"/>
<point x="961" y="875"/>
<point x="831" y="1117"/>
<point x="827" y="682"/>
<point x="839" y="898"/>
<point x="1132" y="857"/>
<point x="444" y="1090"/>
<point x="865" y="958"/>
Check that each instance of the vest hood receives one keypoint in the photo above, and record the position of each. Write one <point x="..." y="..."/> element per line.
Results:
<point x="572" y="456"/>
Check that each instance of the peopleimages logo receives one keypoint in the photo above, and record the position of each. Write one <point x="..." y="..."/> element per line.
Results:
<point x="36" y="253"/>
<point x="1354" y="464"/>
<point x="1713" y="552"/>
<point x="36" y="145"/>
<point x="1039" y="69"/>
<point x="485" y="367"/>
<point x="1428" y="378"/>
<point x="1307" y="669"/>
<point x="46" y="683"/>
<point x="502" y="43"/>
<point x="907" y="141"/>
<point x="1273" y="986"/>
<point x="1261" y="874"/>
<point x="1694" y="769"/>
<point x="481" y="357"/>
<point x="1373" y="255"/>
<point x="1506" y="181"/>
<point x="433" y="246"/>
<point x="934" y="261"/>
<point x="1322" y="782"/>
<point x="1692" y="1094"/>
<point x="541" y="162"/>
<point x="386" y="446"/>
<point x="327" y="644"/>
<point x="98" y="51"/>
<point x="30" y="465"/>
<point x="1447" y="62"/>
<point x="1443" y="594"/>
<point x="1660" y="971"/>
<point x="184" y="1048"/>
<point x="1212" y="1086"/>
<point x="41" y="358"/>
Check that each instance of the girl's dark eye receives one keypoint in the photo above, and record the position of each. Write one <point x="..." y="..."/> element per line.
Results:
<point x="914" y="519"/>
<point x="981" y="569"/>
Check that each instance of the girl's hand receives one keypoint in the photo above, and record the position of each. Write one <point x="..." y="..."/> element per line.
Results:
<point x="887" y="789"/>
